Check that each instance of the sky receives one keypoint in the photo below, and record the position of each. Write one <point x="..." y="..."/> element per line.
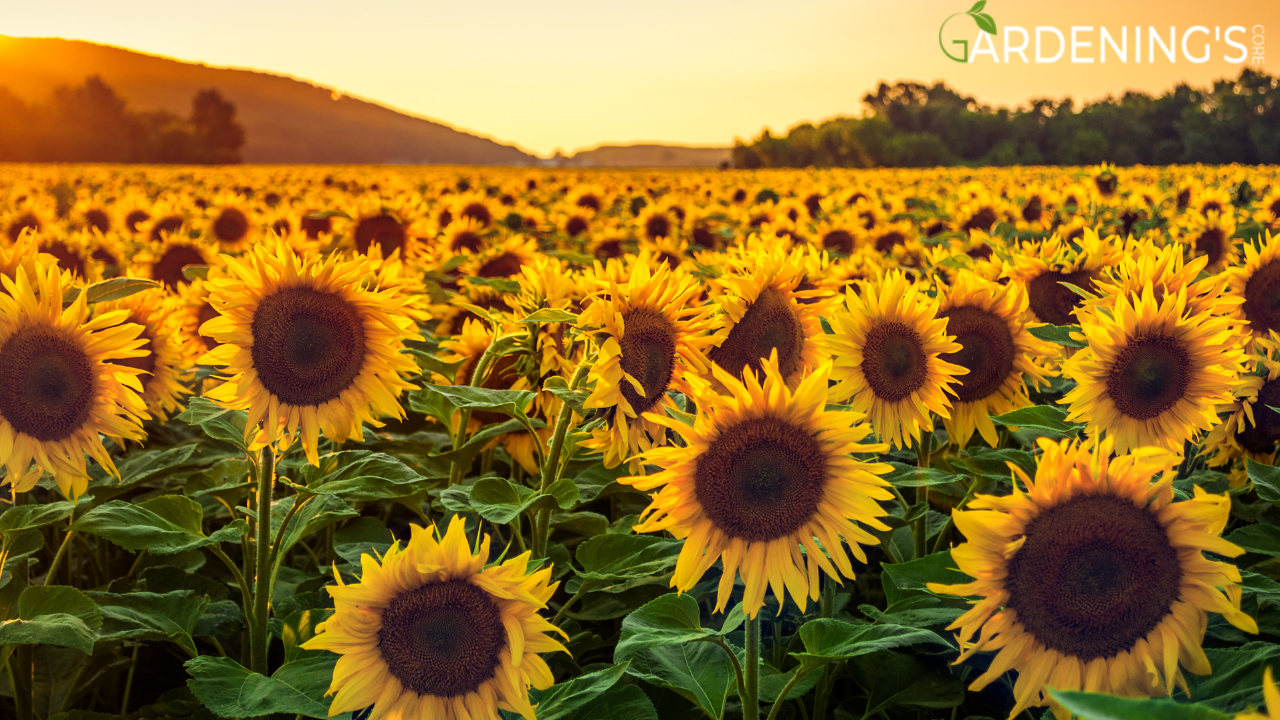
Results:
<point x="551" y="75"/>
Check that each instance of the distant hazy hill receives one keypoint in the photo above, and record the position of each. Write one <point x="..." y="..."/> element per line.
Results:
<point x="650" y="156"/>
<point x="286" y="120"/>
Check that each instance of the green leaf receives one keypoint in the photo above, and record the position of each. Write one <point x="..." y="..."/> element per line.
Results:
<point x="18" y="518"/>
<point x="1040" y="417"/>
<point x="54" y="615"/>
<point x="977" y="7"/>
<point x="195" y="272"/>
<point x="299" y="627"/>
<point x="362" y="476"/>
<point x="559" y="387"/>
<point x="1259" y="538"/>
<point x="163" y="525"/>
<point x="828" y="640"/>
<point x="565" y="492"/>
<point x="546" y="315"/>
<point x="144" y="465"/>
<point x="1236" y="682"/>
<point x="913" y="575"/>
<point x="911" y="476"/>
<point x="1266" y="480"/>
<point x="222" y="617"/>
<point x="773" y="680"/>
<point x="507" y="402"/>
<point x="229" y="689"/>
<point x="319" y="512"/>
<point x="985" y="22"/>
<point x="670" y="619"/>
<point x="499" y="500"/>
<point x="700" y="672"/>
<point x="216" y="421"/>
<point x="1096" y="706"/>
<point x="170" y="616"/>
<point x="893" y="678"/>
<point x="621" y="702"/>
<point x="599" y="481"/>
<point x="107" y="290"/>
<point x="1059" y="334"/>
<point x="566" y="698"/>
<point x="614" y="558"/>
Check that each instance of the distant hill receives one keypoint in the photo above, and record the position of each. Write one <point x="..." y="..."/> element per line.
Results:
<point x="650" y="156"/>
<point x="286" y="120"/>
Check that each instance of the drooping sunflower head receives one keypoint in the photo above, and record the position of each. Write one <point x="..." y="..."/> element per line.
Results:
<point x="651" y="337"/>
<point x="431" y="632"/>
<point x="1046" y="268"/>
<point x="1152" y="373"/>
<point x="987" y="320"/>
<point x="887" y="349"/>
<point x="59" y="387"/>
<point x="1092" y="578"/>
<point x="765" y="472"/>
<point x="307" y="345"/>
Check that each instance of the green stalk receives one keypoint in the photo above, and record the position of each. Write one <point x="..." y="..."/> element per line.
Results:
<point x="551" y="462"/>
<point x="828" y="610"/>
<point x="262" y="582"/>
<point x="920" y="529"/>
<point x="750" y="693"/>
<point x="786" y="690"/>
<point x="57" y="558"/>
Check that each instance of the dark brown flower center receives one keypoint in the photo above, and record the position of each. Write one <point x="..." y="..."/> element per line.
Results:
<point x="1095" y="575"/>
<point x="1053" y="302"/>
<point x="465" y="240"/>
<point x="46" y="383"/>
<point x="986" y="349"/>
<point x="762" y="479"/>
<point x="308" y="346"/>
<point x="889" y="240"/>
<point x="443" y="639"/>
<point x="231" y="226"/>
<point x="506" y="265"/>
<point x="68" y="259"/>
<point x="97" y="219"/>
<point x="166" y="226"/>
<point x="840" y="241"/>
<point x="981" y="220"/>
<point x="1033" y="210"/>
<point x="24" y="222"/>
<point x="770" y="323"/>
<point x="1262" y="298"/>
<point x="168" y="269"/>
<point x="1213" y="243"/>
<point x="1149" y="376"/>
<point x="589" y="201"/>
<point x="479" y="212"/>
<point x="384" y="230"/>
<point x="313" y="225"/>
<point x="657" y="226"/>
<point x="648" y="355"/>
<point x="1262" y="435"/>
<point x="135" y="218"/>
<point x="575" y="226"/>
<point x="893" y="361"/>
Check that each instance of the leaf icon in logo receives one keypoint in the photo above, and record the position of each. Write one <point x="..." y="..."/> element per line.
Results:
<point x="977" y="7"/>
<point x="985" y="22"/>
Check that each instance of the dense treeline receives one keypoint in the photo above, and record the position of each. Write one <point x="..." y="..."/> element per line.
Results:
<point x="91" y="123"/>
<point x="909" y="124"/>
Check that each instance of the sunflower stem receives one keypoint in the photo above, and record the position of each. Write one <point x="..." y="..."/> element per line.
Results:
<point x="751" y="671"/>
<point x="551" y="462"/>
<point x="57" y="558"/>
<point x="786" y="690"/>
<point x="262" y="582"/>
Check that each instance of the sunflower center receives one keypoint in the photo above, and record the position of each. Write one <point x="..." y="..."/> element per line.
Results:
<point x="762" y="479"/>
<point x="1261" y="437"/>
<point x="230" y="226"/>
<point x="506" y="265"/>
<point x="657" y="226"/>
<point x="308" y="346"/>
<point x="1095" y="575"/>
<point x="1212" y="242"/>
<point x="840" y="241"/>
<point x="648" y="355"/>
<point x="384" y="230"/>
<point x="168" y="269"/>
<point x="770" y="323"/>
<point x="46" y="383"/>
<point x="442" y="639"/>
<point x="1149" y="377"/>
<point x="1051" y="301"/>
<point x="893" y="361"/>
<point x="986" y="348"/>
<point x="1262" y="298"/>
<point x="135" y="217"/>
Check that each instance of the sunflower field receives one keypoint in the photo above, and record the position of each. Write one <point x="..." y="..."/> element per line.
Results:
<point x="460" y="443"/>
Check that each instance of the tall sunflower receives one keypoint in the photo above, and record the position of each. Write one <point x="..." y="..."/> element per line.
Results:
<point x="988" y="321"/>
<point x="1093" y="578"/>
<point x="430" y="632"/>
<point x="887" y="350"/>
<point x="59" y="387"/>
<point x="652" y="337"/>
<point x="1152" y="373"/>
<point x="308" y="347"/>
<point x="764" y="473"/>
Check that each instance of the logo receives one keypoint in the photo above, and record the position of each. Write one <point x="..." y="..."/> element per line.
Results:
<point x="985" y="23"/>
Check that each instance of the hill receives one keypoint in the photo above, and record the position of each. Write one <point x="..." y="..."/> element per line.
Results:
<point x="650" y="156"/>
<point x="286" y="120"/>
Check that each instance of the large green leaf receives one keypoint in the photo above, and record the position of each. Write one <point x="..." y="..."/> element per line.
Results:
<point x="621" y="702"/>
<point x="54" y="615"/>
<point x="216" y="421"/>
<point x="1236" y="682"/>
<point x="1059" y="334"/>
<point x="163" y="525"/>
<point x="230" y="690"/>
<point x="317" y="513"/>
<point x="1259" y="538"/>
<point x="118" y="288"/>
<point x="911" y="476"/>
<point x="19" y="518"/>
<point x="363" y="476"/>
<point x="1048" y="418"/>
<point x="700" y="672"/>
<point x="499" y="500"/>
<point x="616" y="558"/>
<point x="667" y="620"/>
<point x="170" y="616"/>
<point x="893" y="678"/>
<point x="1096" y="706"/>
<point x="1266" y="480"/>
<point x="564" y="699"/>
<point x="915" y="574"/>
<point x="828" y="640"/>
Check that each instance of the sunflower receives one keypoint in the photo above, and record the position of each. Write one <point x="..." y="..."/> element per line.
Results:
<point x="987" y="320"/>
<point x="1046" y="267"/>
<point x="168" y="265"/>
<point x="1166" y="270"/>
<point x="230" y="223"/>
<point x="59" y="389"/>
<point x="1152" y="373"/>
<point x="1251" y="429"/>
<point x="1257" y="285"/>
<point x="651" y="337"/>
<point x="887" y="348"/>
<point x="168" y="364"/>
<point x="766" y="310"/>
<point x="430" y="632"/>
<point x="764" y="477"/>
<point x="307" y="346"/>
<point x="1093" y="578"/>
<point x="1209" y="234"/>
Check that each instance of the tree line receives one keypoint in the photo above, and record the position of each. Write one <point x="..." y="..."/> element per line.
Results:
<point x="91" y="123"/>
<point x="909" y="124"/>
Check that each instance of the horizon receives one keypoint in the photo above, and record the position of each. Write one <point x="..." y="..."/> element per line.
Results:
<point x="800" y="75"/>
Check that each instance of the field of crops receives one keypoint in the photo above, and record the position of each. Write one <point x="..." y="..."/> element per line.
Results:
<point x="463" y="443"/>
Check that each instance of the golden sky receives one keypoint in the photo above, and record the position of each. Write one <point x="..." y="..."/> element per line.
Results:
<point x="571" y="74"/>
